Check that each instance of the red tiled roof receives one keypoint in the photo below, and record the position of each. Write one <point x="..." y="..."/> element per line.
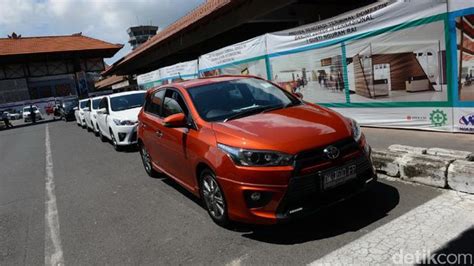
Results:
<point x="202" y="11"/>
<point x="53" y="44"/>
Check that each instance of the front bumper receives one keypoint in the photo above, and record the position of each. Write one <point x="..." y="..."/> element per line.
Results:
<point x="126" y="135"/>
<point x="300" y="195"/>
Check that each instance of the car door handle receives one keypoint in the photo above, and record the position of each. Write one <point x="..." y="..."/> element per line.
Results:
<point x="159" y="133"/>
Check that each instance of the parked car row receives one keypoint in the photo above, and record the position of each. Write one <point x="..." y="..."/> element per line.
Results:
<point x="252" y="151"/>
<point x="113" y="117"/>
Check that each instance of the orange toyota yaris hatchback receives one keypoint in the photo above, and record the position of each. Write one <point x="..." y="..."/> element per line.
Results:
<point x="252" y="151"/>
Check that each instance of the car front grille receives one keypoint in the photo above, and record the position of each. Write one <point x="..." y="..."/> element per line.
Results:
<point x="314" y="159"/>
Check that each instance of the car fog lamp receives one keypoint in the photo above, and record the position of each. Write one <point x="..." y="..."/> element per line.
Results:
<point x="256" y="196"/>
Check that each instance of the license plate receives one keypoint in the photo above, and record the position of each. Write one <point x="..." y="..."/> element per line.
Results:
<point x="338" y="176"/>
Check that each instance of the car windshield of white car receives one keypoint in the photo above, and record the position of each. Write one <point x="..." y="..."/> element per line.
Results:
<point x="28" y="109"/>
<point x="128" y="101"/>
<point x="83" y="104"/>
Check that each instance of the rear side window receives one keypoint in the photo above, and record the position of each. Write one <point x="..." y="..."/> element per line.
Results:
<point x="154" y="102"/>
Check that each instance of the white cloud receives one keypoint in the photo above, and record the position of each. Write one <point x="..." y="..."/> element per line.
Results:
<point x="103" y="19"/>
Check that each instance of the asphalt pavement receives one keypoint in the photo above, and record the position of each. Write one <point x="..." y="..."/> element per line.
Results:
<point x="110" y="212"/>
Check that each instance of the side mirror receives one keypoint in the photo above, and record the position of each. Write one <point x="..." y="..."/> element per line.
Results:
<point x="176" y="120"/>
<point x="75" y="108"/>
<point x="298" y="95"/>
<point x="102" y="111"/>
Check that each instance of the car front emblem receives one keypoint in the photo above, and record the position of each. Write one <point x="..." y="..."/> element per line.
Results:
<point x="331" y="152"/>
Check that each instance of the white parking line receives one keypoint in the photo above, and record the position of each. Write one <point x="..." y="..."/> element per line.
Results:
<point x="416" y="234"/>
<point x="53" y="253"/>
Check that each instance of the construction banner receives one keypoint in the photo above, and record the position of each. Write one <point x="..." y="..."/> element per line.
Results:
<point x="245" y="58"/>
<point x="149" y="80"/>
<point x="180" y="71"/>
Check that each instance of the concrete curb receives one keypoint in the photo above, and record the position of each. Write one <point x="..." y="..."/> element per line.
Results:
<point x="437" y="167"/>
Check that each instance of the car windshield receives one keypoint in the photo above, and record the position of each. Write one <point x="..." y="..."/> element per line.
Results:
<point x="83" y="104"/>
<point x="238" y="98"/>
<point x="129" y="101"/>
<point x="95" y="103"/>
<point x="28" y="109"/>
<point x="70" y="104"/>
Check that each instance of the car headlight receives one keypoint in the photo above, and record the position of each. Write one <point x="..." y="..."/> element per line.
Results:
<point x="245" y="157"/>
<point x="119" y="122"/>
<point x="356" y="132"/>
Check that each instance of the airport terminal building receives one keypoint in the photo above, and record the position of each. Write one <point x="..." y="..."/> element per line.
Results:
<point x="33" y="68"/>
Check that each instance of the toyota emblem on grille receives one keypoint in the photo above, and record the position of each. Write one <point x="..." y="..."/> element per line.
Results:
<point x="331" y="152"/>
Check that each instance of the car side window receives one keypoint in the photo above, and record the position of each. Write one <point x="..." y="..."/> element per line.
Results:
<point x="154" y="102"/>
<point x="103" y="103"/>
<point x="173" y="104"/>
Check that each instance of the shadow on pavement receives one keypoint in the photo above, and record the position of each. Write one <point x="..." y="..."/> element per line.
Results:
<point x="460" y="248"/>
<point x="351" y="215"/>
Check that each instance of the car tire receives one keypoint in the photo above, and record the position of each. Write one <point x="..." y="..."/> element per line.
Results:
<point x="213" y="197"/>
<point x="102" y="137"/>
<point x="88" y="128"/>
<point x="114" y="141"/>
<point x="96" y="130"/>
<point x="147" y="162"/>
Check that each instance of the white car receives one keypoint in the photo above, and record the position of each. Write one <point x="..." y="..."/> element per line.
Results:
<point x="27" y="113"/>
<point x="79" y="113"/>
<point x="90" y="115"/>
<point x="117" y="117"/>
<point x="13" y="116"/>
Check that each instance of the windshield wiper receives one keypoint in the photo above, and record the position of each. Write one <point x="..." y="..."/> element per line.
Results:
<point x="246" y="113"/>
<point x="280" y="106"/>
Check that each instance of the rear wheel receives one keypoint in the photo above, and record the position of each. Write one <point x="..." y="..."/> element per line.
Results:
<point x="213" y="197"/>
<point x="102" y="137"/>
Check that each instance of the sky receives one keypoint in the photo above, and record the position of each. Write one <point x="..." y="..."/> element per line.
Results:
<point x="107" y="20"/>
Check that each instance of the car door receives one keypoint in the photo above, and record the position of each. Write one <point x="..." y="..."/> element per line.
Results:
<point x="173" y="141"/>
<point x="87" y="113"/>
<point x="101" y="117"/>
<point x="149" y="125"/>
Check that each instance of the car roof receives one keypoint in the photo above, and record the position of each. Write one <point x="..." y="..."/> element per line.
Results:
<point x="209" y="80"/>
<point x="83" y="100"/>
<point x="125" y="93"/>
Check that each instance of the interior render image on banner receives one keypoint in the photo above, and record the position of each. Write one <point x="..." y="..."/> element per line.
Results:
<point x="317" y="74"/>
<point x="255" y="68"/>
<point x="465" y="55"/>
<point x="407" y="65"/>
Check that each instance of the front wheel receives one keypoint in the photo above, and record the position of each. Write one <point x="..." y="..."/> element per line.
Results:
<point x="213" y="197"/>
<point x="146" y="159"/>
<point x="114" y="141"/>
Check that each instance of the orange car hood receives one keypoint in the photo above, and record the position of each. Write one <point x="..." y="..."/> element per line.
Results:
<point x="289" y="130"/>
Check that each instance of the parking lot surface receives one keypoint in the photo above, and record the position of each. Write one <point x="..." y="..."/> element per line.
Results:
<point x="110" y="212"/>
